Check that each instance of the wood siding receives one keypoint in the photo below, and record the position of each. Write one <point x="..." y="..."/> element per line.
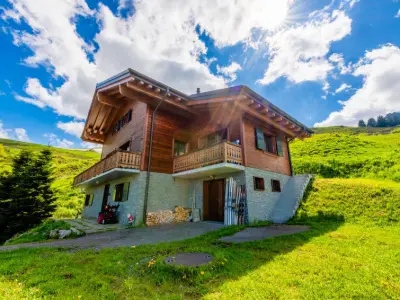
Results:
<point x="133" y="131"/>
<point x="167" y="126"/>
<point x="255" y="158"/>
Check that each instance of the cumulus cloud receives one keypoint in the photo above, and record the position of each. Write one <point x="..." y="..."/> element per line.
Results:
<point x="55" y="141"/>
<point x="158" y="38"/>
<point x="379" y="95"/>
<point x="74" y="128"/>
<point x="343" y="87"/>
<point x="18" y="134"/>
<point x="299" y="53"/>
<point x="229" y="71"/>
<point x="339" y="61"/>
<point x="398" y="14"/>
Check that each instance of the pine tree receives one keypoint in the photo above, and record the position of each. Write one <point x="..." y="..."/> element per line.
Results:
<point x="361" y="123"/>
<point x="26" y="197"/>
<point x="381" y="122"/>
<point x="371" y="122"/>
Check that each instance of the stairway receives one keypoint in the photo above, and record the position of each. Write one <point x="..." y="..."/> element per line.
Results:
<point x="289" y="200"/>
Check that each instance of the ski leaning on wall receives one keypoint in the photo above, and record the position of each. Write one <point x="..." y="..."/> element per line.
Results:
<point x="235" y="208"/>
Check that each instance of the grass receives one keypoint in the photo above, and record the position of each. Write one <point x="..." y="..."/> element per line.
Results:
<point x="352" y="251"/>
<point x="67" y="164"/>
<point x="39" y="233"/>
<point x="349" y="154"/>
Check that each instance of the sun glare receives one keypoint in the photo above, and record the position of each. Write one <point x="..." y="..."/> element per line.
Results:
<point x="275" y="13"/>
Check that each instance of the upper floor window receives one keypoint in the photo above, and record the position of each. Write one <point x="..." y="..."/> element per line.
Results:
<point x="213" y="138"/>
<point x="268" y="143"/>
<point x="179" y="148"/>
<point x="125" y="119"/>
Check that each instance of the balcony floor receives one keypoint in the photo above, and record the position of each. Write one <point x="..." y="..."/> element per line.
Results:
<point x="218" y="169"/>
<point x="108" y="176"/>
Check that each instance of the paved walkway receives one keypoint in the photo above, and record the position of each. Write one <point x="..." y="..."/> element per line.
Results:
<point x="129" y="237"/>
<point x="91" y="225"/>
<point x="260" y="233"/>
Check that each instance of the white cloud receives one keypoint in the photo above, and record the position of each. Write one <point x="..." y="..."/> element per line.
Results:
<point x="18" y="134"/>
<point x="339" y="61"/>
<point x="55" y="141"/>
<point x="343" y="87"/>
<point x="21" y="135"/>
<point x="379" y="95"/>
<point x="74" y="128"/>
<point x="159" y="39"/>
<point x="398" y="14"/>
<point x="299" y="53"/>
<point x="229" y="71"/>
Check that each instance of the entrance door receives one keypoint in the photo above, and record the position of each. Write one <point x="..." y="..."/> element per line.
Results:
<point x="105" y="196"/>
<point x="213" y="200"/>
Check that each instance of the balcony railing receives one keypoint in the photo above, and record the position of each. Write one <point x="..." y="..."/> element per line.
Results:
<point x="118" y="159"/>
<point x="219" y="153"/>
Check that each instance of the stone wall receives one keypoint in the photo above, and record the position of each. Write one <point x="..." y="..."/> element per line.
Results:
<point x="261" y="203"/>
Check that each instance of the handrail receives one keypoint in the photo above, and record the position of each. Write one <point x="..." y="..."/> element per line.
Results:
<point x="118" y="159"/>
<point x="217" y="153"/>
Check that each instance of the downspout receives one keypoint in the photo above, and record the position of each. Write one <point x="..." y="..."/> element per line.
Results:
<point x="146" y="191"/>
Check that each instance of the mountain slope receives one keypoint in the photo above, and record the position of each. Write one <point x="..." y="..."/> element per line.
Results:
<point x="347" y="152"/>
<point x="66" y="164"/>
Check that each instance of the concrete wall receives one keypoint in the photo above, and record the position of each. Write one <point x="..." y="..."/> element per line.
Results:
<point x="261" y="203"/>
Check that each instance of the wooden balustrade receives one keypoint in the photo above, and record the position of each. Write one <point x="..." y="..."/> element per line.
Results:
<point x="219" y="153"/>
<point x="118" y="159"/>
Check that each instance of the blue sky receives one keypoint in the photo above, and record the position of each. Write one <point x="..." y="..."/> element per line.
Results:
<point x="323" y="62"/>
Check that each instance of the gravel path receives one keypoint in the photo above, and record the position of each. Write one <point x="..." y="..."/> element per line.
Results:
<point x="128" y="237"/>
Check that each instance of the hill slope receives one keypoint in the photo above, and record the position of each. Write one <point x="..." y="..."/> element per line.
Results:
<point x="347" y="152"/>
<point x="66" y="164"/>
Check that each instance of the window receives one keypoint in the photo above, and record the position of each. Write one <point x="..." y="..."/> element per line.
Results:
<point x="121" y="192"/>
<point x="265" y="142"/>
<point x="276" y="185"/>
<point x="89" y="200"/>
<point x="179" y="148"/>
<point x="213" y="138"/>
<point x="258" y="184"/>
<point x="279" y="146"/>
<point x="125" y="119"/>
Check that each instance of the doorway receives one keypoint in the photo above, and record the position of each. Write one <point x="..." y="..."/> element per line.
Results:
<point x="105" y="196"/>
<point x="213" y="200"/>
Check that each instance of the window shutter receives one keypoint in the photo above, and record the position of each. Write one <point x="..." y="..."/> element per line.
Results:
<point x="114" y="193"/>
<point x="260" y="139"/>
<point x="91" y="200"/>
<point x="279" y="146"/>
<point x="125" y="192"/>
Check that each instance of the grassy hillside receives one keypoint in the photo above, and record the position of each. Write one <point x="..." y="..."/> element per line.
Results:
<point x="346" y="152"/>
<point x="66" y="164"/>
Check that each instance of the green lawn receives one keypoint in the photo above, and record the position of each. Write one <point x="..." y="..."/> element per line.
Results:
<point x="352" y="251"/>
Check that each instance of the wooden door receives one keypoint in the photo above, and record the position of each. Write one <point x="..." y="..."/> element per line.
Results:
<point x="213" y="200"/>
<point x="105" y="196"/>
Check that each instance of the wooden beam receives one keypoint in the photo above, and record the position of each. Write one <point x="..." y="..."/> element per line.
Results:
<point x="212" y="100"/>
<point x="255" y="105"/>
<point x="264" y="110"/>
<point x="115" y="84"/>
<point x="109" y="101"/>
<point x="278" y="119"/>
<point x="127" y="92"/>
<point x="264" y="118"/>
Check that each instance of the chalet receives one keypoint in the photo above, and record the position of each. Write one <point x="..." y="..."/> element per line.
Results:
<point x="163" y="148"/>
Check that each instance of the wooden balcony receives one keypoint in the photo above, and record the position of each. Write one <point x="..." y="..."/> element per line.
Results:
<point x="117" y="160"/>
<point x="224" y="152"/>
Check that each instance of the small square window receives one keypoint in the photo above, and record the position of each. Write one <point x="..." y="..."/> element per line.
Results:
<point x="259" y="184"/>
<point x="121" y="192"/>
<point x="276" y="185"/>
<point x="89" y="200"/>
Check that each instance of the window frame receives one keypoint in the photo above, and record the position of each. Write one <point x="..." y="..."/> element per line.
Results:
<point x="121" y="192"/>
<point x="257" y="181"/>
<point x="268" y="143"/>
<point x="276" y="188"/>
<point x="89" y="200"/>
<point x="182" y="142"/>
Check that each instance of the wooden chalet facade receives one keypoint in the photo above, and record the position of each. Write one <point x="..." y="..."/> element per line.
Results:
<point x="192" y="139"/>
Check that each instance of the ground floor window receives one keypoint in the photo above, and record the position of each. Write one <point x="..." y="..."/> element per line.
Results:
<point x="276" y="185"/>
<point x="89" y="200"/>
<point x="258" y="183"/>
<point x="121" y="192"/>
